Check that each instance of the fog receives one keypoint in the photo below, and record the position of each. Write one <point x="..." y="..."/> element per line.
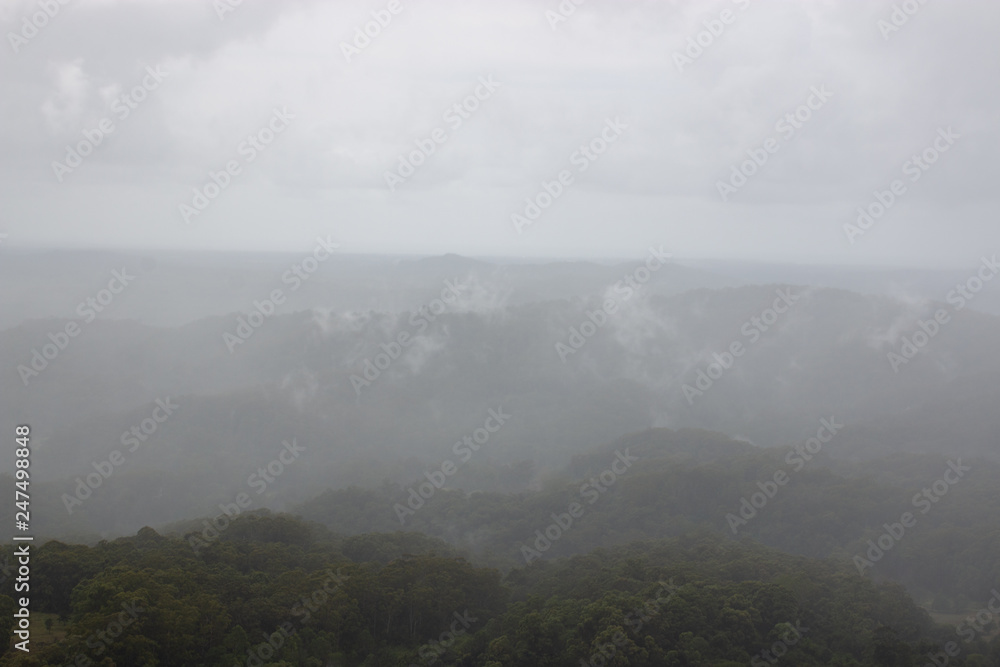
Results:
<point x="385" y="282"/>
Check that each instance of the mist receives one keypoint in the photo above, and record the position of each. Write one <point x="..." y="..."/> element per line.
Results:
<point x="536" y="314"/>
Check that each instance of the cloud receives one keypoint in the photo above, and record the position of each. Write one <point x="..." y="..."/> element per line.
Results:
<point x="353" y="119"/>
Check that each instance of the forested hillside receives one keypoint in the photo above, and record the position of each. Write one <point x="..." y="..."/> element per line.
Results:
<point x="276" y="591"/>
<point x="688" y="479"/>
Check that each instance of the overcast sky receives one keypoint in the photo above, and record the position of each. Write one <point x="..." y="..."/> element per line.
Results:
<point x="674" y="127"/>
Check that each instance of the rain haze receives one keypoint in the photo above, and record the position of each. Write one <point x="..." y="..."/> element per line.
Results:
<point x="497" y="334"/>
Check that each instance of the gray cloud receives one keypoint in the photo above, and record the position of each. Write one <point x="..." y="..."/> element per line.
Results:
<point x="352" y="120"/>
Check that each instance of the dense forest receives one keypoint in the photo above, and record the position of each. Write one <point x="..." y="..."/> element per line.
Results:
<point x="656" y="564"/>
<point x="277" y="591"/>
